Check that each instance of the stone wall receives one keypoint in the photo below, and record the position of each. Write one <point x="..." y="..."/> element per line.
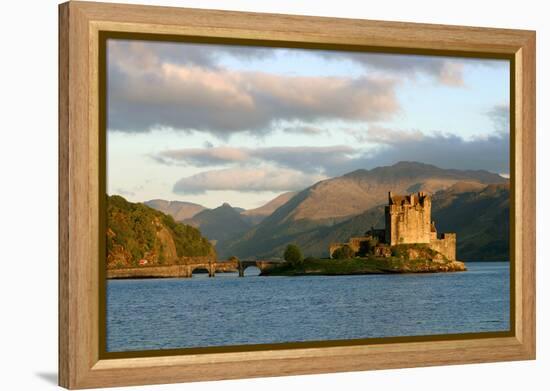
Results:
<point x="354" y="243"/>
<point x="446" y="245"/>
<point x="333" y="247"/>
<point x="173" y="271"/>
<point x="382" y="251"/>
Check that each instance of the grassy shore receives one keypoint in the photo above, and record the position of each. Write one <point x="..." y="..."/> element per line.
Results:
<point x="370" y="265"/>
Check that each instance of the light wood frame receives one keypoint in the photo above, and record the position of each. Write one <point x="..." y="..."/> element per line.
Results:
<point x="80" y="23"/>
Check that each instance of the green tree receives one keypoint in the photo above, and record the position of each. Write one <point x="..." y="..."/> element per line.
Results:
<point x="344" y="252"/>
<point x="293" y="255"/>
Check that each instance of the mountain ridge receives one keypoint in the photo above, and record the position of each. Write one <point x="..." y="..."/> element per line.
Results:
<point x="256" y="215"/>
<point x="179" y="210"/>
<point x="333" y="201"/>
<point x="219" y="224"/>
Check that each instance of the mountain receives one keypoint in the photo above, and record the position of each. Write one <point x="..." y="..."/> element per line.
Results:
<point x="319" y="209"/>
<point x="480" y="218"/>
<point x="137" y="232"/>
<point x="316" y="242"/>
<point x="353" y="193"/>
<point x="479" y="214"/>
<point x="255" y="216"/>
<point x="179" y="210"/>
<point x="219" y="225"/>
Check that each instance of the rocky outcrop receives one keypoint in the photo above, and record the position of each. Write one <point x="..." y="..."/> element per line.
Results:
<point x="432" y="266"/>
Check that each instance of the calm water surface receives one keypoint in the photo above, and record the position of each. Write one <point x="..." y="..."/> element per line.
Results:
<point x="228" y="310"/>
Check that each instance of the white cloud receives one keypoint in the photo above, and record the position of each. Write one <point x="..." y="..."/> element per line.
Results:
<point x="376" y="146"/>
<point x="246" y="180"/>
<point x="303" y="158"/>
<point x="448" y="71"/>
<point x="489" y="153"/>
<point x="147" y="90"/>
<point x="383" y="135"/>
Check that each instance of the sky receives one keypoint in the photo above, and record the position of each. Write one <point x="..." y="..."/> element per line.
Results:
<point x="210" y="124"/>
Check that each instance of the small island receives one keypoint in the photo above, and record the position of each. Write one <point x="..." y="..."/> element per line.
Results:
<point x="408" y="244"/>
<point x="405" y="258"/>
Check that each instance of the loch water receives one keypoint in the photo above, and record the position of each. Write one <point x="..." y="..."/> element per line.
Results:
<point x="228" y="310"/>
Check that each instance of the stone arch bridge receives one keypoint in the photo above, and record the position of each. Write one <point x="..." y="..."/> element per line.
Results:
<point x="187" y="266"/>
<point x="227" y="266"/>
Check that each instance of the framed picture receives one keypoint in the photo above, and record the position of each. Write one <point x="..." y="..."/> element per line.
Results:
<point x="246" y="195"/>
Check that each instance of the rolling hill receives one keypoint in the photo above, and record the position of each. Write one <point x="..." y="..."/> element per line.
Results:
<point x="480" y="219"/>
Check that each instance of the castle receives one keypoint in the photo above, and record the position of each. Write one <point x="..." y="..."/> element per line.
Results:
<point x="408" y="221"/>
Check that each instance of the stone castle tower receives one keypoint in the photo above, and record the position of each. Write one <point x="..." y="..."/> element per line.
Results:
<point x="408" y="219"/>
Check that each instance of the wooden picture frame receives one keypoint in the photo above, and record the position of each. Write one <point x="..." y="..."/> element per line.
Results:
<point x="81" y="163"/>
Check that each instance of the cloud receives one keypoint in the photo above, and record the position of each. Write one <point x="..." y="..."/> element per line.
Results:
<point x="308" y="159"/>
<point x="201" y="157"/>
<point x="447" y="71"/>
<point x="303" y="158"/>
<point x="382" y="135"/>
<point x="246" y="180"/>
<point x="295" y="168"/>
<point x="489" y="152"/>
<point x="124" y="192"/>
<point x="500" y="115"/>
<point x="303" y="129"/>
<point x="150" y="55"/>
<point x="376" y="146"/>
<point x="222" y="102"/>
<point x="147" y="91"/>
<point x="186" y="87"/>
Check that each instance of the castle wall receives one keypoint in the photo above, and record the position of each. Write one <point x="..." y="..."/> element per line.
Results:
<point x="333" y="247"/>
<point x="408" y="223"/>
<point x="354" y="243"/>
<point x="446" y="245"/>
<point x="357" y="242"/>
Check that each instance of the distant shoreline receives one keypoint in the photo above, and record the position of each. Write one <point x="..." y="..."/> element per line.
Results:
<point x="313" y="267"/>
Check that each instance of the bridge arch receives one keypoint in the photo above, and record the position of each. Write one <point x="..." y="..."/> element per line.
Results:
<point x="248" y="266"/>
<point x="260" y="265"/>
<point x="210" y="269"/>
